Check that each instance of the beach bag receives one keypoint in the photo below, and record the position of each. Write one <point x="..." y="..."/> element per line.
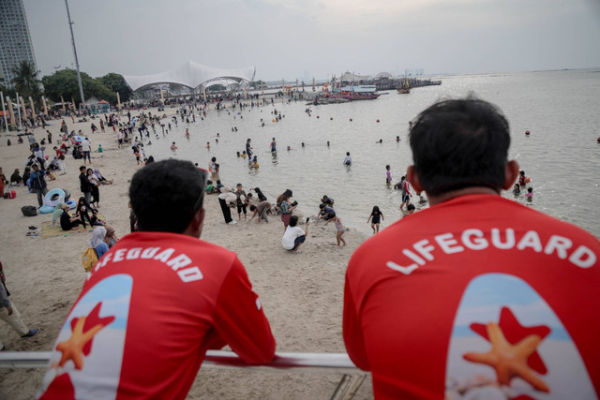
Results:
<point x="89" y="258"/>
<point x="12" y="194"/>
<point x="29" y="211"/>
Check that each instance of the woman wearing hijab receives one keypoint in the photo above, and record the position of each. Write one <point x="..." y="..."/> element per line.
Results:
<point x="97" y="241"/>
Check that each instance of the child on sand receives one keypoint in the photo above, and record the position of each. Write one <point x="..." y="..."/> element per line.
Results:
<point x="339" y="230"/>
<point x="173" y="146"/>
<point x="376" y="217"/>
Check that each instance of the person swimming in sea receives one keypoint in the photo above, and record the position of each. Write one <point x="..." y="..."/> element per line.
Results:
<point x="529" y="194"/>
<point x="517" y="190"/>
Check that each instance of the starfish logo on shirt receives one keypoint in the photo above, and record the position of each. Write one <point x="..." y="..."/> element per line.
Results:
<point x="509" y="359"/>
<point x="91" y="343"/>
<point x="508" y="343"/>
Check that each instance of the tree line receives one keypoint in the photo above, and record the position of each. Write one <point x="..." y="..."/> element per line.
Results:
<point x="64" y="83"/>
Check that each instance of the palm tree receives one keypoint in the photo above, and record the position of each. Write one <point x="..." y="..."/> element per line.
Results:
<point x="26" y="80"/>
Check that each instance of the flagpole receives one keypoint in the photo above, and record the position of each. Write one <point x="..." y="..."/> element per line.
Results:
<point x="75" y="53"/>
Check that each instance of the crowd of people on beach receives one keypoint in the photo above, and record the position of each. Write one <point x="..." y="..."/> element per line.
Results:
<point x="469" y="237"/>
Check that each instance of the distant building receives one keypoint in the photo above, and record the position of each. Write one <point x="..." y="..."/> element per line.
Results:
<point x="15" y="40"/>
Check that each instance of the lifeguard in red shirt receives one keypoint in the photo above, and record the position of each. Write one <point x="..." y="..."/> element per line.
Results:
<point x="477" y="297"/>
<point x="156" y="301"/>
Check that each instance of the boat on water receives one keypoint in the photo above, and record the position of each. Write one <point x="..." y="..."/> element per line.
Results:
<point x="345" y="94"/>
<point x="404" y="89"/>
<point x="360" y="92"/>
<point x="327" y="100"/>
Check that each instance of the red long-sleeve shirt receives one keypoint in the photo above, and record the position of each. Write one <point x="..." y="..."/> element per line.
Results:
<point x="475" y="295"/>
<point x="160" y="301"/>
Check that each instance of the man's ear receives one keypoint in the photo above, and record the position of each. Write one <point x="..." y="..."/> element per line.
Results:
<point x="511" y="173"/>
<point x="413" y="178"/>
<point x="195" y="226"/>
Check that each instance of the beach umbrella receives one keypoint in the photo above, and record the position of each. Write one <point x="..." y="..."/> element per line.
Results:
<point x="118" y="102"/>
<point x="62" y="101"/>
<point x="11" y="111"/>
<point x="45" y="105"/>
<point x="32" y="106"/>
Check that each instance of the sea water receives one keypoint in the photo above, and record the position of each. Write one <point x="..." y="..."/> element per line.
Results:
<point x="561" y="155"/>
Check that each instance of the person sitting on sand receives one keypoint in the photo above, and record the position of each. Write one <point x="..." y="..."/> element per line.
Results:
<point x="180" y="297"/>
<point x="15" y="178"/>
<point x="294" y="236"/>
<point x="210" y="187"/>
<point x="102" y="180"/>
<point x="82" y="211"/>
<point x="97" y="241"/>
<point x="66" y="221"/>
<point x="111" y="237"/>
<point x="56" y="214"/>
<point x="173" y="146"/>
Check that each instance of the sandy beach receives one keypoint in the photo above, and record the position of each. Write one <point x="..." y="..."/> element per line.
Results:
<point x="302" y="294"/>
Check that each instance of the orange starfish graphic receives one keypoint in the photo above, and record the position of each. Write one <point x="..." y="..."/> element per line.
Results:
<point x="91" y="320"/>
<point x="509" y="360"/>
<point x="72" y="349"/>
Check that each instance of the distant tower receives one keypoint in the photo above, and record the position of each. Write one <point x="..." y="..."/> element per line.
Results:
<point x="15" y="40"/>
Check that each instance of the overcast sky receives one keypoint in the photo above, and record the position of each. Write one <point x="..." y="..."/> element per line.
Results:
<point x="304" y="38"/>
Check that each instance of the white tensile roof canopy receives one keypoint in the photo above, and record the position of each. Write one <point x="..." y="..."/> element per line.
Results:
<point x="190" y="74"/>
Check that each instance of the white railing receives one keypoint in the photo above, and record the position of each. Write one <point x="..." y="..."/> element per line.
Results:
<point x="214" y="359"/>
<point x="346" y="389"/>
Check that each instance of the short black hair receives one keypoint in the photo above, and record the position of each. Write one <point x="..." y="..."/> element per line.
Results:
<point x="166" y="194"/>
<point x="293" y="220"/>
<point x="460" y="143"/>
